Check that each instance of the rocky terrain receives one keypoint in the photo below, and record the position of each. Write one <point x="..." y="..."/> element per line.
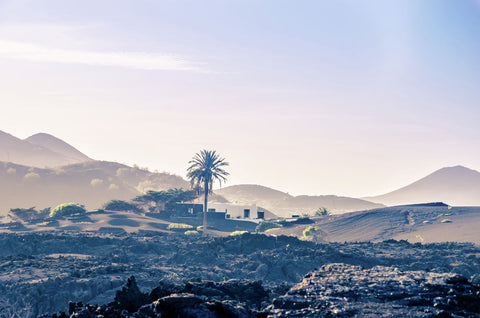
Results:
<point x="341" y="290"/>
<point x="41" y="272"/>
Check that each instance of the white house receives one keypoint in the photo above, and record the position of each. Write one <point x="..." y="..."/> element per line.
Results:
<point x="241" y="212"/>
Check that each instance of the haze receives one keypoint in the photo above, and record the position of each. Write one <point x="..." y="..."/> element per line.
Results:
<point x="314" y="97"/>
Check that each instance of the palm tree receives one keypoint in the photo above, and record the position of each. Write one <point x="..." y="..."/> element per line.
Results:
<point x="205" y="168"/>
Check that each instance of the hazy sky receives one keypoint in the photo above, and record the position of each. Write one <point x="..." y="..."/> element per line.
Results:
<point x="342" y="97"/>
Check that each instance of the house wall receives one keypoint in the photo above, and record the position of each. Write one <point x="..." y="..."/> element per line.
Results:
<point x="188" y="208"/>
<point x="236" y="211"/>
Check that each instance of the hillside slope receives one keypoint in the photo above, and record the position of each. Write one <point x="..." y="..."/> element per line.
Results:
<point x="284" y="204"/>
<point x="91" y="183"/>
<point x="423" y="224"/>
<point x="457" y="185"/>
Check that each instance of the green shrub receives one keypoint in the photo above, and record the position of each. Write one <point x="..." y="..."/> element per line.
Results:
<point x="179" y="226"/>
<point x="312" y="233"/>
<point x="309" y="231"/>
<point x="120" y="205"/>
<point x="192" y="233"/>
<point x="264" y="226"/>
<point x="66" y="209"/>
<point x="322" y="211"/>
<point x="238" y="233"/>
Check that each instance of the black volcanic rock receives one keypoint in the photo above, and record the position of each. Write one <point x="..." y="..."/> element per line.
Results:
<point x="342" y="290"/>
<point x="130" y="297"/>
<point x="41" y="272"/>
<point x="231" y="300"/>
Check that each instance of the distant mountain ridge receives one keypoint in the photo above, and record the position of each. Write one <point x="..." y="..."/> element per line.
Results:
<point x="284" y="204"/>
<point x="43" y="170"/>
<point x="458" y="185"/>
<point x="40" y="150"/>
<point x="58" y="146"/>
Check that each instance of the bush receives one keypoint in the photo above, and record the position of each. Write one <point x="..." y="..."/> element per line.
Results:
<point x="179" y="226"/>
<point x="120" y="205"/>
<point x="302" y="220"/>
<point x="66" y="209"/>
<point x="264" y="226"/>
<point x="30" y="214"/>
<point x="309" y="231"/>
<point x="238" y="233"/>
<point x="192" y="233"/>
<point x="322" y="211"/>
<point x="312" y="233"/>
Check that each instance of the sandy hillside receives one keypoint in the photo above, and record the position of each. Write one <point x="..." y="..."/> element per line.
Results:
<point x="101" y="222"/>
<point x="413" y="223"/>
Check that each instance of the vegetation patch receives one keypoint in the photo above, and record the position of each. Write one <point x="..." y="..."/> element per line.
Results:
<point x="191" y="233"/>
<point x="322" y="211"/>
<point x="309" y="231"/>
<point x="287" y="223"/>
<point x="238" y="233"/>
<point x="29" y="215"/>
<point x="265" y="226"/>
<point x="67" y="209"/>
<point x="179" y="226"/>
<point x="120" y="205"/>
<point x="156" y="201"/>
<point x="312" y="233"/>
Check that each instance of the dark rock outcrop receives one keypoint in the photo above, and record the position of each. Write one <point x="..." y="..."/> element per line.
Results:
<point x="341" y="290"/>
<point x="233" y="298"/>
<point x="130" y="297"/>
<point x="41" y="272"/>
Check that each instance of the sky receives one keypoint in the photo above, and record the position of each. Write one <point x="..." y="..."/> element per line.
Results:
<point x="345" y="97"/>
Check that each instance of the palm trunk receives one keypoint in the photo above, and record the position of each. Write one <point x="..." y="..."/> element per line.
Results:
<point x="205" y="209"/>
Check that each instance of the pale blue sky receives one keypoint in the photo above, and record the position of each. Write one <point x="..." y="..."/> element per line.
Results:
<point x="310" y="97"/>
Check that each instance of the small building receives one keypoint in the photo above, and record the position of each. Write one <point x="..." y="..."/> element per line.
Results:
<point x="188" y="208"/>
<point x="240" y="212"/>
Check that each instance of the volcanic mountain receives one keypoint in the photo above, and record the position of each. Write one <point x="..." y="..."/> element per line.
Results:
<point x="40" y="150"/>
<point x="459" y="186"/>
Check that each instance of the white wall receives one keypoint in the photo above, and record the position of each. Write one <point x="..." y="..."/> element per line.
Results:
<point x="236" y="211"/>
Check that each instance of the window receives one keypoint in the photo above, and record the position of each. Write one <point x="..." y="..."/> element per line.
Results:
<point x="212" y="210"/>
<point x="190" y="210"/>
<point x="260" y="215"/>
<point x="246" y="213"/>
